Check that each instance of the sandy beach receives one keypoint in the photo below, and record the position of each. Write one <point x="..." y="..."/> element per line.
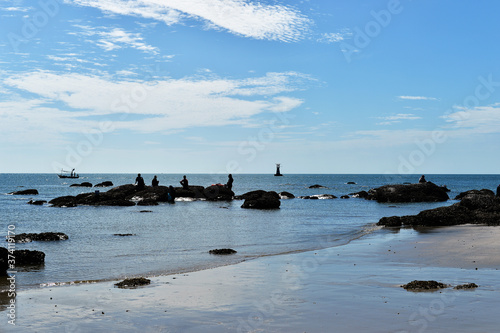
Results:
<point x="352" y="288"/>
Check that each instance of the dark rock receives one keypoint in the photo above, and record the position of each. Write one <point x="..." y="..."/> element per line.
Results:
<point x="4" y="263"/>
<point x="318" y="196"/>
<point x="317" y="186"/>
<point x="474" y="208"/>
<point x="444" y="187"/>
<point x="27" y="257"/>
<point x="44" y="237"/>
<point x="421" y="192"/>
<point x="483" y="191"/>
<point x="466" y="286"/>
<point x="222" y="251"/>
<point x="345" y="197"/>
<point x="133" y="283"/>
<point x="361" y="195"/>
<point x="286" y="195"/>
<point x="66" y="201"/>
<point x="261" y="200"/>
<point x="37" y="202"/>
<point x="124" y="235"/>
<point x="424" y="285"/>
<point x="84" y="184"/>
<point x="25" y="192"/>
<point x="351" y="183"/>
<point x="104" y="184"/>
<point x="116" y="202"/>
<point x="218" y="193"/>
<point x="196" y="192"/>
<point x="145" y="211"/>
<point x="147" y="202"/>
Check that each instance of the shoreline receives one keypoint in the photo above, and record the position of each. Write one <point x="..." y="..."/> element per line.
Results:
<point x="353" y="287"/>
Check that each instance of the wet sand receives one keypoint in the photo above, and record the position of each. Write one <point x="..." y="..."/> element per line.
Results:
<point x="352" y="288"/>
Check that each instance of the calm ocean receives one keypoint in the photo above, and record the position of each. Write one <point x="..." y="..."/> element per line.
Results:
<point x="176" y="238"/>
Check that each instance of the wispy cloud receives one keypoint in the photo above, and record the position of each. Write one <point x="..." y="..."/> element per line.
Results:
<point x="116" y="38"/>
<point x="418" y="98"/>
<point x="335" y="37"/>
<point x="398" y="118"/>
<point x="240" y="17"/>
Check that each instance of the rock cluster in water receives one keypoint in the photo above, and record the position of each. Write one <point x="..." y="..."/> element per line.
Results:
<point x="475" y="207"/>
<point x="44" y="236"/>
<point x="222" y="251"/>
<point x="128" y="195"/>
<point x="25" y="192"/>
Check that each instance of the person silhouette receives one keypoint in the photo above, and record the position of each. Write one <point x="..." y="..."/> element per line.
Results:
<point x="154" y="182"/>
<point x="229" y="184"/>
<point x="422" y="179"/>
<point x="171" y="194"/>
<point x="184" y="182"/>
<point x="139" y="182"/>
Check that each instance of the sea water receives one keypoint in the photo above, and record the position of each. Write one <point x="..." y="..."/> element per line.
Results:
<point x="175" y="238"/>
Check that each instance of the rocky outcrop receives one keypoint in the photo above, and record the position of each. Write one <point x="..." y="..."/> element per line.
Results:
<point x="344" y="197"/>
<point x="84" y="184"/>
<point x="133" y="283"/>
<point x="421" y="192"/>
<point x="476" y="207"/>
<point x="286" y="195"/>
<point x="361" y="195"/>
<point x="218" y="193"/>
<point x="25" y="192"/>
<point x="104" y="184"/>
<point x="147" y="202"/>
<point x="222" y="251"/>
<point x="483" y="191"/>
<point x="44" y="237"/>
<point x="21" y="258"/>
<point x="261" y="200"/>
<point x="424" y="285"/>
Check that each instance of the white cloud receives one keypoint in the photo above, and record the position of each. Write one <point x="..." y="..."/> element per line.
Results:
<point x="240" y="17"/>
<point x="485" y="119"/>
<point x="418" y="98"/>
<point x="116" y="38"/>
<point x="163" y="106"/>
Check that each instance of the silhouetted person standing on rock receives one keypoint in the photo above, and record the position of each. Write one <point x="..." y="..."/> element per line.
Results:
<point x="154" y="182"/>
<point x="422" y="179"/>
<point x="184" y="182"/>
<point x="229" y="184"/>
<point x="139" y="182"/>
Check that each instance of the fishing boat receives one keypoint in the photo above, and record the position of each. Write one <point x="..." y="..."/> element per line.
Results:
<point x="64" y="174"/>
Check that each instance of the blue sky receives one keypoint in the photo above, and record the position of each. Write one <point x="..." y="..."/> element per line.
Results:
<point x="234" y="86"/>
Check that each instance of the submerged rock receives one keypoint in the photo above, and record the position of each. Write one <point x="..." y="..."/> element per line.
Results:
<point x="317" y="186"/>
<point x="421" y="192"/>
<point x="84" y="184"/>
<point x="361" y="195"/>
<point x="44" y="237"/>
<point x="133" y="283"/>
<point x="318" y="197"/>
<point x="424" y="285"/>
<point x="124" y="235"/>
<point x="36" y="202"/>
<point x="466" y="286"/>
<point x="351" y="183"/>
<point x="222" y="251"/>
<point x="474" y="208"/>
<point x="25" y="192"/>
<point x="345" y="197"/>
<point x="261" y="200"/>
